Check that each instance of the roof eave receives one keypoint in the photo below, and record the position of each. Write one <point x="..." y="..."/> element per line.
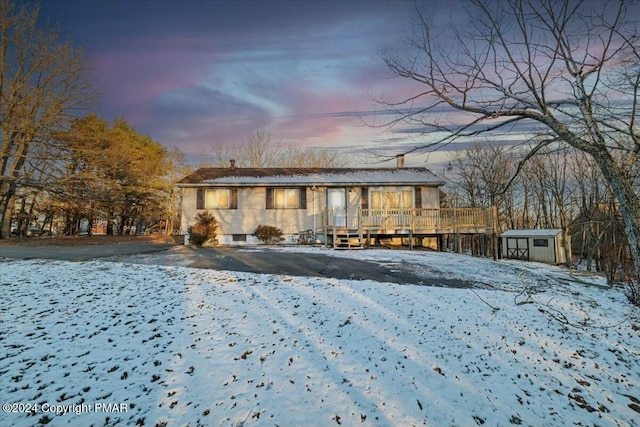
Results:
<point x="309" y="183"/>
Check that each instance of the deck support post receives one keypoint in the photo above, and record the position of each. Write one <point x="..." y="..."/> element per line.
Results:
<point x="494" y="235"/>
<point x="411" y="232"/>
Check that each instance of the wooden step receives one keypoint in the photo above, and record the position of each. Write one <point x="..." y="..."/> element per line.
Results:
<point x="347" y="241"/>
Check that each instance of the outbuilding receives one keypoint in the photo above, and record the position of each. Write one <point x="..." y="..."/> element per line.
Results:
<point x="535" y="245"/>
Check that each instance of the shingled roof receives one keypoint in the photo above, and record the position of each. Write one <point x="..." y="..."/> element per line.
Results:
<point x="310" y="176"/>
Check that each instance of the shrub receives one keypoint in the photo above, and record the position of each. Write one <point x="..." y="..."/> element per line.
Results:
<point x="632" y="290"/>
<point x="204" y="230"/>
<point x="307" y="237"/>
<point x="268" y="234"/>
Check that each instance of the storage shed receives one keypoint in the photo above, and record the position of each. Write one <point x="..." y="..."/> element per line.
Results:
<point x="535" y="245"/>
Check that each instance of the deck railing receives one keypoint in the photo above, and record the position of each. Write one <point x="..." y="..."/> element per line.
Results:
<point x="426" y="219"/>
<point x="415" y="220"/>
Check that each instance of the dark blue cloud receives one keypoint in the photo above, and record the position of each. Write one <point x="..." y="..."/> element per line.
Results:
<point x="191" y="72"/>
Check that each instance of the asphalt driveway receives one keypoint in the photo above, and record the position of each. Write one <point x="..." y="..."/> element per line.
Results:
<point x="252" y="260"/>
<point x="82" y="252"/>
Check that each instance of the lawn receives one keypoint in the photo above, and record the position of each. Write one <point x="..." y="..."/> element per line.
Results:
<point x="112" y="343"/>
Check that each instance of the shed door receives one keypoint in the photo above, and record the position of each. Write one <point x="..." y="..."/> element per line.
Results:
<point x="518" y="248"/>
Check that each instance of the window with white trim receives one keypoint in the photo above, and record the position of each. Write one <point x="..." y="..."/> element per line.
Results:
<point x="286" y="198"/>
<point x="217" y="198"/>
<point x="382" y="198"/>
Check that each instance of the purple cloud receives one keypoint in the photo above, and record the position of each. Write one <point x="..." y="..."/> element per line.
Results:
<point x="192" y="73"/>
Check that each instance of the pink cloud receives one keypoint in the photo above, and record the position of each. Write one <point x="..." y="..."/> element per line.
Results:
<point x="130" y="80"/>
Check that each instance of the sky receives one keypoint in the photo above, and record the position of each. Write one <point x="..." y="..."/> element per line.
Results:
<point x="194" y="74"/>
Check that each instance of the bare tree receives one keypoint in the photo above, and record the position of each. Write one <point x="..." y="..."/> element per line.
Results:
<point x="261" y="152"/>
<point x="176" y="168"/>
<point x="569" y="68"/>
<point x="589" y="196"/>
<point x="549" y="176"/>
<point x="42" y="81"/>
<point x="483" y="172"/>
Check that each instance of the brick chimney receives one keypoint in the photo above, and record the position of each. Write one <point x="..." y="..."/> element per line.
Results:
<point x="400" y="161"/>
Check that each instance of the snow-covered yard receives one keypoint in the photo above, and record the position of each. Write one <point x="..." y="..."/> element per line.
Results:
<point x="174" y="346"/>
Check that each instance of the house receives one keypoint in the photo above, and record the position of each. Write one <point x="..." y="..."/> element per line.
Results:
<point x="342" y="206"/>
<point x="535" y="245"/>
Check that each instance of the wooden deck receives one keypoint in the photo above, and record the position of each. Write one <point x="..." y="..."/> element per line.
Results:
<point x="351" y="231"/>
<point x="427" y="221"/>
<point x="415" y="221"/>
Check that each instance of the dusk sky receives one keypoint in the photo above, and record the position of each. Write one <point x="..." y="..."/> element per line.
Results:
<point x="192" y="74"/>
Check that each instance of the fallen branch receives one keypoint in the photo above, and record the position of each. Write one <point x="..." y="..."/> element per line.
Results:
<point x="482" y="299"/>
<point x="584" y="325"/>
<point x="525" y="290"/>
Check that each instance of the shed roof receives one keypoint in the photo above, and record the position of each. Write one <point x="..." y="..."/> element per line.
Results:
<point x="535" y="232"/>
<point x="310" y="176"/>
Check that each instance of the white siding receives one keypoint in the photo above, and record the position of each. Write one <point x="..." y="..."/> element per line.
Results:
<point x="553" y="253"/>
<point x="546" y="254"/>
<point x="430" y="198"/>
<point x="251" y="211"/>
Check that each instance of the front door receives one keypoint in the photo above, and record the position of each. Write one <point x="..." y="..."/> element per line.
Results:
<point x="337" y="205"/>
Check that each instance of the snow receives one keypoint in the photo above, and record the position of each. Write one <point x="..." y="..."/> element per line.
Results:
<point x="531" y="344"/>
<point x="349" y="176"/>
<point x="532" y="232"/>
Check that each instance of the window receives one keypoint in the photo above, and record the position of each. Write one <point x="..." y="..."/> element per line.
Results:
<point x="541" y="242"/>
<point x="392" y="199"/>
<point x="217" y="198"/>
<point x="239" y="237"/>
<point x="286" y="198"/>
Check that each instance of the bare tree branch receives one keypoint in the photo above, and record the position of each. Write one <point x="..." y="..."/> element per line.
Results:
<point x="571" y="67"/>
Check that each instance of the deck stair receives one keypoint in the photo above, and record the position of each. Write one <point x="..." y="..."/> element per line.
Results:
<point x="347" y="239"/>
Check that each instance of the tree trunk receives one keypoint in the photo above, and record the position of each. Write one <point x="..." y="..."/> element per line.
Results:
<point x="90" y="225"/>
<point x="122" y="224"/>
<point x="169" y="229"/>
<point x="6" y="210"/>
<point x="628" y="201"/>
<point x="12" y="169"/>
<point x="110" y="224"/>
<point x="566" y="244"/>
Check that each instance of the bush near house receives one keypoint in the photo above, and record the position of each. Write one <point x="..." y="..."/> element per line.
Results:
<point x="268" y="234"/>
<point x="204" y="230"/>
